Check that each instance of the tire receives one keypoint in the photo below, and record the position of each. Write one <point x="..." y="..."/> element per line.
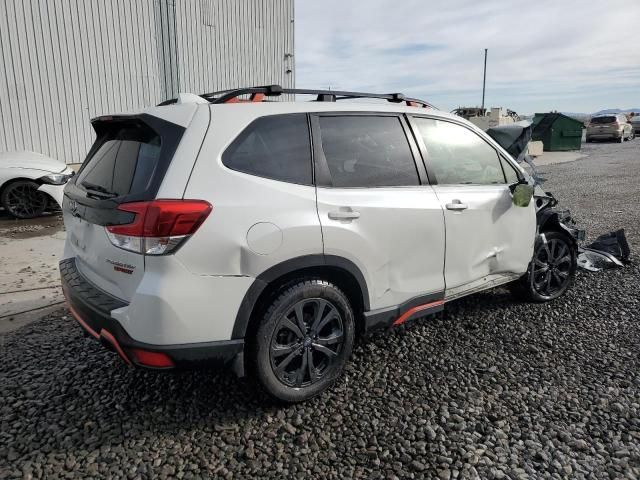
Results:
<point x="22" y="199"/>
<point x="588" y="140"/>
<point x="535" y="286"/>
<point x="292" y="365"/>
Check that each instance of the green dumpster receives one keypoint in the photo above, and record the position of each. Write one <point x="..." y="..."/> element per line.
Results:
<point x="557" y="132"/>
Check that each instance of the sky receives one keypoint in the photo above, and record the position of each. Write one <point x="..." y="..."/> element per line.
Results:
<point x="566" y="55"/>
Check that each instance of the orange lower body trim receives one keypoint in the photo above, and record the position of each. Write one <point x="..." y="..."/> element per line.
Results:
<point x="111" y="339"/>
<point x="78" y="318"/>
<point x="412" y="311"/>
<point x="103" y="333"/>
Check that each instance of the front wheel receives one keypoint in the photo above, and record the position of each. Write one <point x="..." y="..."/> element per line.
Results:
<point x="552" y="270"/>
<point x="23" y="200"/>
<point x="304" y="341"/>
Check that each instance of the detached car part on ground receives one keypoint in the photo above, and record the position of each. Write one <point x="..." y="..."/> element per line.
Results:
<point x="267" y="235"/>
<point x="31" y="183"/>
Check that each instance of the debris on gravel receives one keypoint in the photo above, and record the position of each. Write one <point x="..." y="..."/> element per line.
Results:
<point x="491" y="388"/>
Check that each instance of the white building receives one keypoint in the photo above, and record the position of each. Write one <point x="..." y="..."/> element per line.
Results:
<point x="63" y="62"/>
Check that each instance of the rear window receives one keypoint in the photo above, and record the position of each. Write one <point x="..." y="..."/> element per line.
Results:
<point x="597" y="120"/>
<point x="123" y="160"/>
<point x="275" y="147"/>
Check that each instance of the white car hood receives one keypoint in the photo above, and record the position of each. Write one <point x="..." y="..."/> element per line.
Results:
<point x="32" y="160"/>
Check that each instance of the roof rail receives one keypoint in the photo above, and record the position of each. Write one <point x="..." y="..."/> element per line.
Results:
<point x="257" y="94"/>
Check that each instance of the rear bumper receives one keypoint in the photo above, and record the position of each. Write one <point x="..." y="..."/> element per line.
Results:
<point x="92" y="308"/>
<point x="603" y="135"/>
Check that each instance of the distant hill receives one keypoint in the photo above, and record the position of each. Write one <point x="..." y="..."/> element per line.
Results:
<point x="585" y="117"/>
<point x="581" y="117"/>
<point x="616" y="110"/>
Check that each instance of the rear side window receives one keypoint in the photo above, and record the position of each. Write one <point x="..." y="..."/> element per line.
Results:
<point x="275" y="147"/>
<point x="367" y="151"/>
<point x="125" y="157"/>
<point x="458" y="155"/>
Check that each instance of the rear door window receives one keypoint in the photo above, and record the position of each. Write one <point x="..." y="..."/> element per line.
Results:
<point x="367" y="151"/>
<point x="124" y="159"/>
<point x="276" y="147"/>
<point x="458" y="155"/>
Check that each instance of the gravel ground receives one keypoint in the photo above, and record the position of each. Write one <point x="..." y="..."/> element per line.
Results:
<point x="489" y="389"/>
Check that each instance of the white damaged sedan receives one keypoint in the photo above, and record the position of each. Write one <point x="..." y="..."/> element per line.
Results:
<point x="30" y="181"/>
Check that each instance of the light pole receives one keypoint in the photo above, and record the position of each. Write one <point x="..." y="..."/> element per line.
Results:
<point x="484" y="78"/>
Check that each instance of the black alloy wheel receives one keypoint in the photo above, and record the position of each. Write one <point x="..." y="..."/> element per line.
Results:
<point x="551" y="271"/>
<point x="23" y="200"/>
<point x="307" y="342"/>
<point x="303" y="340"/>
<point x="551" y="267"/>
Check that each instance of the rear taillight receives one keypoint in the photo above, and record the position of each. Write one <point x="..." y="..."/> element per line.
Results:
<point x="159" y="226"/>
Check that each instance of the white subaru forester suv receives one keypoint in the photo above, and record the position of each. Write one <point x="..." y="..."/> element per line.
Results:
<point x="266" y="235"/>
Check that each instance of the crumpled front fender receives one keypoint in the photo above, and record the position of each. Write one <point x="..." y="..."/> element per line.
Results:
<point x="560" y="221"/>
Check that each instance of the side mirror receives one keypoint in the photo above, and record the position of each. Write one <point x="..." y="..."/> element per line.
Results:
<point x="522" y="193"/>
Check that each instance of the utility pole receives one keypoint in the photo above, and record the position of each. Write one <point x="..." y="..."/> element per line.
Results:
<point x="484" y="78"/>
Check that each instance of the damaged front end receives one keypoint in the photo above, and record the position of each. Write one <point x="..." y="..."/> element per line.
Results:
<point x="550" y="218"/>
<point x="610" y="250"/>
<point x="607" y="251"/>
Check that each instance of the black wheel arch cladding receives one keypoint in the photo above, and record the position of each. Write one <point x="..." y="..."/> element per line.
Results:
<point x="305" y="265"/>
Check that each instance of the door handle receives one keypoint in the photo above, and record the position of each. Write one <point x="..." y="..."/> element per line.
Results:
<point x="456" y="205"/>
<point x="344" y="215"/>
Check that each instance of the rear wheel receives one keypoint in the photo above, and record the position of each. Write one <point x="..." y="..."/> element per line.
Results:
<point x="551" y="271"/>
<point x="23" y="200"/>
<point x="303" y="342"/>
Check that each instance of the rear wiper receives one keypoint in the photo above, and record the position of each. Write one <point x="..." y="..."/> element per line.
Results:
<point x="99" y="189"/>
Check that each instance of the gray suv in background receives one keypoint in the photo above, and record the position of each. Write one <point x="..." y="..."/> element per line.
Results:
<point x="609" y="127"/>
<point x="635" y="124"/>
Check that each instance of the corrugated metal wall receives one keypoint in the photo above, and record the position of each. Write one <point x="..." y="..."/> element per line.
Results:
<point x="63" y="62"/>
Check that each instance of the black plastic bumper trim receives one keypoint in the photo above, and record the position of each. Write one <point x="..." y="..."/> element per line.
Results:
<point x="94" y="306"/>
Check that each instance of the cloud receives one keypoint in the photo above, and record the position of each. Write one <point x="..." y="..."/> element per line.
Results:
<point x="548" y="54"/>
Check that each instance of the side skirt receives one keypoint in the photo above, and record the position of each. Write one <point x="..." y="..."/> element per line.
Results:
<point x="416" y="307"/>
<point x="424" y="305"/>
<point x="486" y="283"/>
